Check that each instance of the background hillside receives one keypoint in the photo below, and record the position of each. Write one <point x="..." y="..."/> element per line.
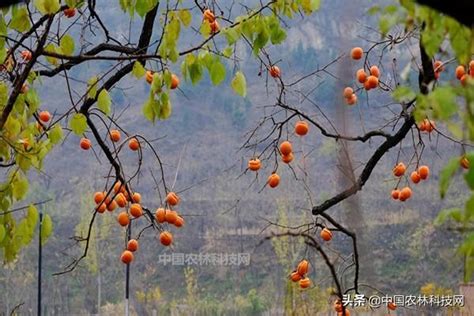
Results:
<point x="226" y="210"/>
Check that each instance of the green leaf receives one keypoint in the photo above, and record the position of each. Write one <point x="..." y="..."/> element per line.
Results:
<point x="23" y="233"/>
<point x="168" y="48"/>
<point x="205" y="29"/>
<point x="227" y="52"/>
<point x="3" y="93"/>
<point x="459" y="36"/>
<point x="455" y="128"/>
<point x="239" y="84"/>
<point x="386" y="22"/>
<point x="92" y="87"/>
<point x="33" y="101"/>
<point x="469" y="208"/>
<point x="277" y="35"/>
<point x="309" y="6"/>
<point x="78" y="123"/>
<point x="19" y="188"/>
<point x="467" y="250"/>
<point x="148" y="111"/>
<point x="138" y="70"/>
<point x="46" y="228"/>
<point x="403" y="94"/>
<point x="3" y="26"/>
<point x="156" y="107"/>
<point x="56" y="134"/>
<point x="447" y="174"/>
<point x="185" y="17"/>
<point x="248" y="28"/>
<point x="444" y="215"/>
<point x="409" y="5"/>
<point x="432" y="40"/>
<point x="467" y="247"/>
<point x="231" y="34"/>
<point x="217" y="72"/>
<point x="469" y="176"/>
<point x="72" y="3"/>
<point x="166" y="78"/>
<point x="173" y="54"/>
<point x="142" y="7"/>
<point x="32" y="216"/>
<point x="165" y="110"/>
<point x="104" y="102"/>
<point x="3" y="51"/>
<point x="157" y="83"/>
<point x="468" y="267"/>
<point x="391" y="9"/>
<point x="207" y="60"/>
<point x="47" y="6"/>
<point x="3" y="232"/>
<point x="262" y="37"/>
<point x="24" y="162"/>
<point x="443" y="102"/>
<point x="195" y="72"/>
<point x="67" y="45"/>
<point x="20" y="19"/>
<point x="51" y="48"/>
<point x="12" y="126"/>
<point x="373" y="10"/>
<point x="125" y="5"/>
<point x="5" y="204"/>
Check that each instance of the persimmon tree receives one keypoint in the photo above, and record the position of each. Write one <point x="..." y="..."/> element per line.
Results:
<point x="447" y="32"/>
<point x="431" y="97"/>
<point x="49" y="39"/>
<point x="166" y="47"/>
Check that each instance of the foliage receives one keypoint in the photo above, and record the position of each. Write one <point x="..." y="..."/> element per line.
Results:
<point x="26" y="141"/>
<point x="449" y="102"/>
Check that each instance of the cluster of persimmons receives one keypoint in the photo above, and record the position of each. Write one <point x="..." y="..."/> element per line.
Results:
<point x="299" y="275"/>
<point x="119" y="197"/>
<point x="461" y="74"/>
<point x="416" y="176"/>
<point x="44" y="117"/>
<point x="115" y="137"/>
<point x="369" y="79"/>
<point x="286" y="152"/>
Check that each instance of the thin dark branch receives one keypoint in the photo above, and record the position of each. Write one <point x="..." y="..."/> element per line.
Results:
<point x="24" y="75"/>
<point x="391" y="142"/>
<point x="310" y="241"/>
<point x="353" y="236"/>
<point x="25" y="207"/>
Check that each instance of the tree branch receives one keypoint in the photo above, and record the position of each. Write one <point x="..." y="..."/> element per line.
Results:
<point x="75" y="60"/>
<point x="24" y="75"/>
<point x="391" y="142"/>
<point x="311" y="241"/>
<point x="426" y="77"/>
<point x="145" y="37"/>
